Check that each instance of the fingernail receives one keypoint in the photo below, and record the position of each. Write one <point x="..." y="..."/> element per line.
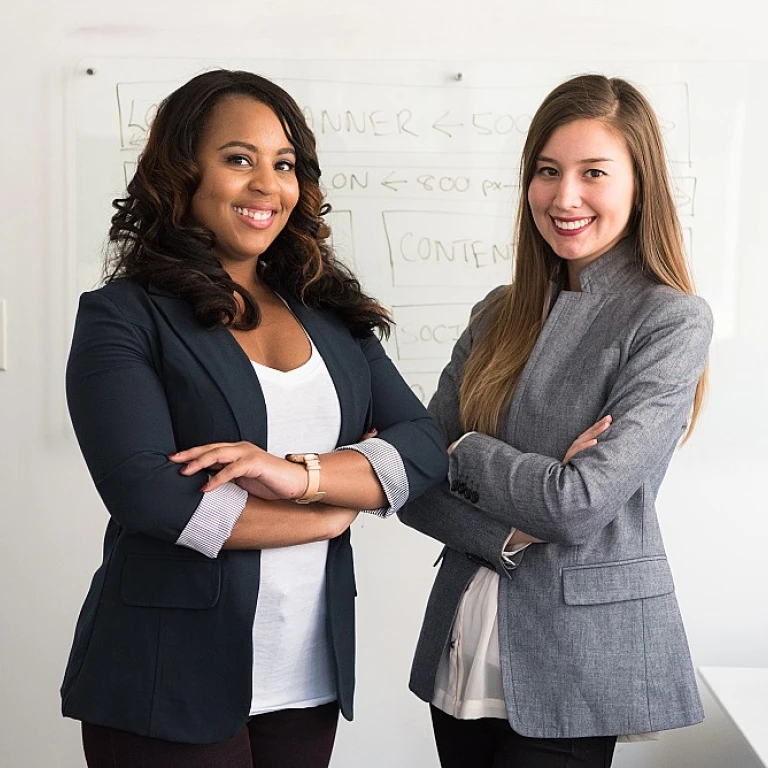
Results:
<point x="205" y="487"/>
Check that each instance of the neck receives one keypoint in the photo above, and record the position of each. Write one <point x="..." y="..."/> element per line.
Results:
<point x="573" y="277"/>
<point x="245" y="275"/>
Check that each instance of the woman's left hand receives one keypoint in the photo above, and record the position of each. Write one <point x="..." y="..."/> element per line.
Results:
<point x="588" y="438"/>
<point x="252" y="468"/>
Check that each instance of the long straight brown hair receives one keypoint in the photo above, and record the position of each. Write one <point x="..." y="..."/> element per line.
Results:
<point x="516" y="315"/>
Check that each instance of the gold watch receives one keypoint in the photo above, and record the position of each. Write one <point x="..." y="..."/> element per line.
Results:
<point x="312" y="463"/>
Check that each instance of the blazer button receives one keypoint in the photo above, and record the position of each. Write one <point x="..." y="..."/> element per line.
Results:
<point x="454" y="485"/>
<point x="461" y="487"/>
<point x="475" y="497"/>
<point x="467" y="493"/>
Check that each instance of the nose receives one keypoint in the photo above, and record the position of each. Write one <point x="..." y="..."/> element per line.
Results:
<point x="263" y="178"/>
<point x="568" y="193"/>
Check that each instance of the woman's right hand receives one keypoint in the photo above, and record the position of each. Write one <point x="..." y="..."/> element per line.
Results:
<point x="588" y="438"/>
<point x="260" y="473"/>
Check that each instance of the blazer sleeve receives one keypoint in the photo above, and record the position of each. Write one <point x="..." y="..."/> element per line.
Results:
<point x="440" y="513"/>
<point x="650" y="404"/>
<point x="403" y="422"/>
<point x="123" y="425"/>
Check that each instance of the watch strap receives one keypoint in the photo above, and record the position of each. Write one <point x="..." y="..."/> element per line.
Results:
<point x="311" y="462"/>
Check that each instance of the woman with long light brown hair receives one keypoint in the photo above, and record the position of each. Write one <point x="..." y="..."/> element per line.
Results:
<point x="553" y="627"/>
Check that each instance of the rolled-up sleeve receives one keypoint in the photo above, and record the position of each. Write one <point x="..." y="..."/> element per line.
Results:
<point x="650" y="403"/>
<point x="123" y="423"/>
<point x="212" y="522"/>
<point x="389" y="469"/>
<point x="408" y="439"/>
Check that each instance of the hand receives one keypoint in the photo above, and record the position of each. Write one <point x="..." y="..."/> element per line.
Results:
<point x="258" y="472"/>
<point x="519" y="537"/>
<point x="588" y="438"/>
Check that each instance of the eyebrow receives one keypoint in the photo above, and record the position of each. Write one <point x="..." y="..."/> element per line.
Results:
<point x="543" y="159"/>
<point x="254" y="148"/>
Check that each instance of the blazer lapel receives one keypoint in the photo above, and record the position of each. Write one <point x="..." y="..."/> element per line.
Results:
<point x="567" y="323"/>
<point x="572" y="315"/>
<point x="342" y="358"/>
<point x="220" y="355"/>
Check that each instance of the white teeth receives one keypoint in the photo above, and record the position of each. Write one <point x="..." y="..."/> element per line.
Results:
<point x="255" y="215"/>
<point x="571" y="224"/>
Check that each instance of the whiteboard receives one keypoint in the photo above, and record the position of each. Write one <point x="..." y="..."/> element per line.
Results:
<point x="450" y="190"/>
<point x="420" y="164"/>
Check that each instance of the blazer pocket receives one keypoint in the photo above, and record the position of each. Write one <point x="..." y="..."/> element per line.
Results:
<point x="616" y="581"/>
<point x="167" y="582"/>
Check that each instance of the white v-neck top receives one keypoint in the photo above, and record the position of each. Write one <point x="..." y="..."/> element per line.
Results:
<point x="292" y="664"/>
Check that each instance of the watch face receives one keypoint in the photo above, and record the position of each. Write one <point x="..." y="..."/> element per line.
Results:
<point x="301" y="458"/>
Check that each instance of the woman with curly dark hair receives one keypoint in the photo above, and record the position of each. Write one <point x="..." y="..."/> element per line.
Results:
<point x="219" y="629"/>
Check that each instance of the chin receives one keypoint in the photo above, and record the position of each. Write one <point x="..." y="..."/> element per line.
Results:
<point x="568" y="254"/>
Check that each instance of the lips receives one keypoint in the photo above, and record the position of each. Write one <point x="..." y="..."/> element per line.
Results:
<point x="259" y="218"/>
<point x="570" y="227"/>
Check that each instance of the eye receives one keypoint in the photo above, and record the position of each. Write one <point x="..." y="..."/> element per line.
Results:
<point x="241" y="160"/>
<point x="595" y="173"/>
<point x="547" y="171"/>
<point x="285" y="165"/>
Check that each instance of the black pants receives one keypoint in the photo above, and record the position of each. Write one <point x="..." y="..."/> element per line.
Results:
<point x="491" y="743"/>
<point x="290" y="738"/>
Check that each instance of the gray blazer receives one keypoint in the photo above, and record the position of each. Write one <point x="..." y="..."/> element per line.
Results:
<point x="589" y="629"/>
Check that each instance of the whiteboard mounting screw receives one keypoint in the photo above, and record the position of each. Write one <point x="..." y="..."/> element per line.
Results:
<point x="459" y="76"/>
<point x="90" y="71"/>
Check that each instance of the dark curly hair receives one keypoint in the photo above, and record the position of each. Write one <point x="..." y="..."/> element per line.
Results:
<point x="154" y="239"/>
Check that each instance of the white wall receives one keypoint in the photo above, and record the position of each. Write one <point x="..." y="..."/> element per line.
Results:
<point x="52" y="521"/>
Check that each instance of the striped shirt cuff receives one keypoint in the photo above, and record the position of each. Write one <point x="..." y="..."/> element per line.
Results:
<point x="212" y="522"/>
<point x="389" y="469"/>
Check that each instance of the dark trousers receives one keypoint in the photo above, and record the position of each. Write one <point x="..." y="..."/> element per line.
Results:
<point x="491" y="743"/>
<point x="290" y="738"/>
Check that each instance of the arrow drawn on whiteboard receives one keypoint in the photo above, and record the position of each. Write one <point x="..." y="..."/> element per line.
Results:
<point x="667" y="126"/>
<point x="133" y="124"/>
<point x="438" y="126"/>
<point x="681" y="198"/>
<point x="389" y="183"/>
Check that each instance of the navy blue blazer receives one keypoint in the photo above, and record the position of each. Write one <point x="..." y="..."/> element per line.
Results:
<point x="163" y="643"/>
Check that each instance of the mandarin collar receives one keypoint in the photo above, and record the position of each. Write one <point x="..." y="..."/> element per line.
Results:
<point x="614" y="271"/>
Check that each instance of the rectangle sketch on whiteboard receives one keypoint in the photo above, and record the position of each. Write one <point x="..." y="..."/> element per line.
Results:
<point x="342" y="237"/>
<point x="428" y="332"/>
<point x="448" y="248"/>
<point x="423" y="384"/>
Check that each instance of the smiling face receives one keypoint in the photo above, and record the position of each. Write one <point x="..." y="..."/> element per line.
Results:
<point x="582" y="192"/>
<point x="248" y="186"/>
